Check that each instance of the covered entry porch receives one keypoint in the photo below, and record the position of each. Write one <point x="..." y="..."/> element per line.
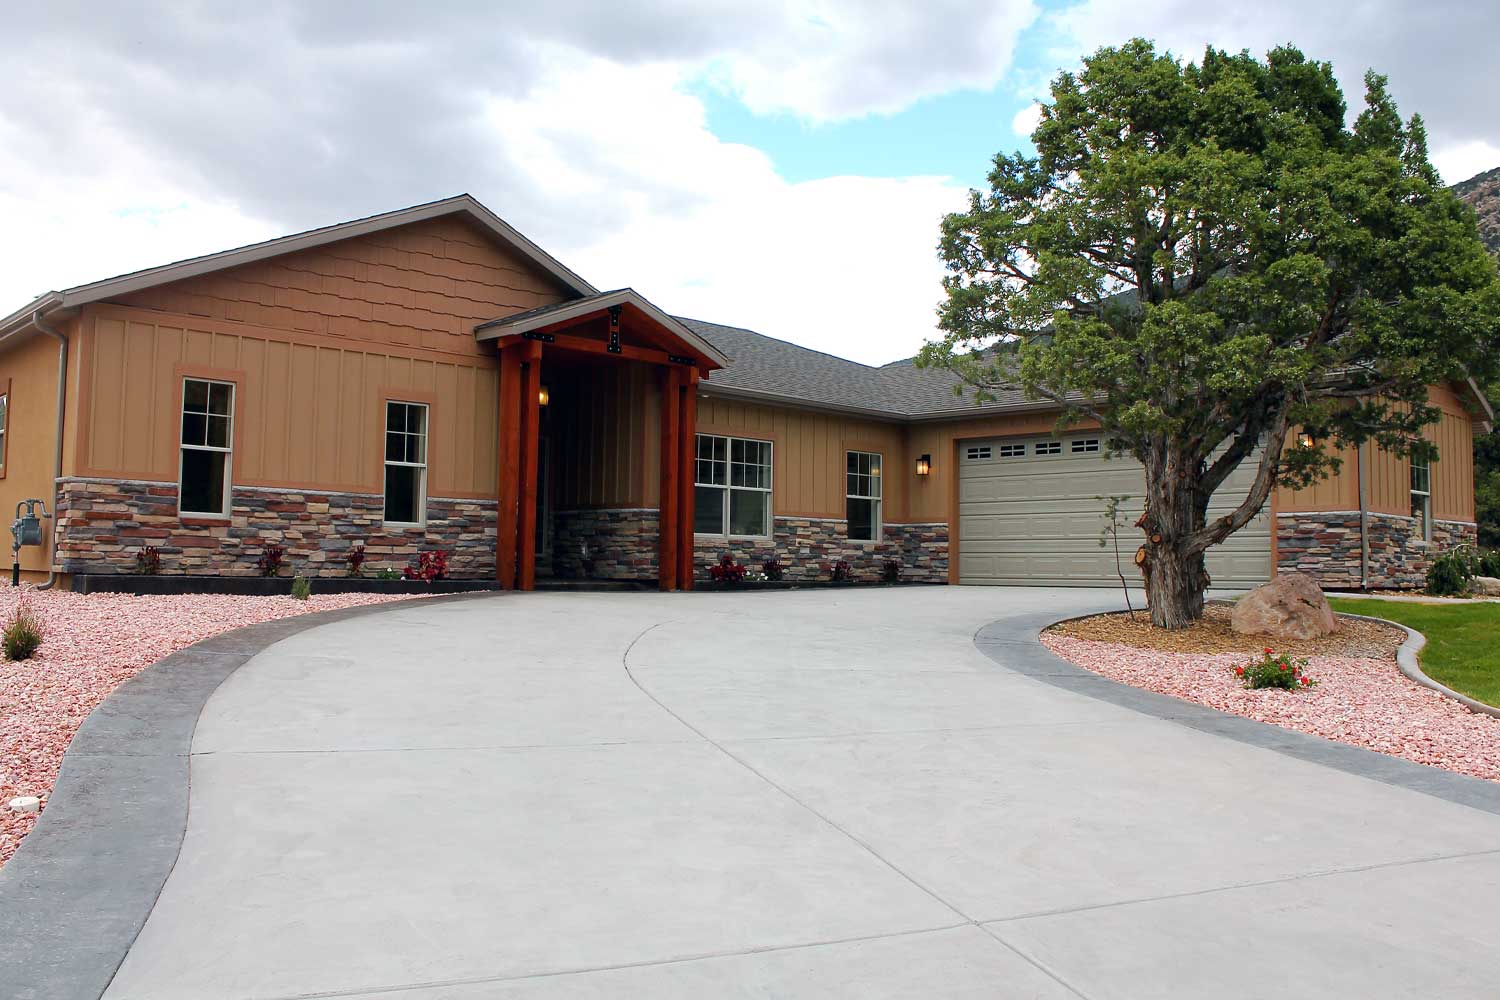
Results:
<point x="597" y="420"/>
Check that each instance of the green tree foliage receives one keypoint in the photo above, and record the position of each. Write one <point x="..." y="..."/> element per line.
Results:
<point x="1203" y="258"/>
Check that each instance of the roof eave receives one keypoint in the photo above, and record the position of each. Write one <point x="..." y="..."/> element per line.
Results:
<point x="496" y="329"/>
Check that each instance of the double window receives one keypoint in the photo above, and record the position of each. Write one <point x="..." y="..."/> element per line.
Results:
<point x="732" y="487"/>
<point x="207" y="447"/>
<point x="405" y="463"/>
<point x="862" y="495"/>
<point x="1421" y="496"/>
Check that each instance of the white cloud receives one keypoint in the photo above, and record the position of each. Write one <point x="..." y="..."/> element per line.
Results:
<point x="1461" y="161"/>
<point x="128" y="139"/>
<point x="1026" y="121"/>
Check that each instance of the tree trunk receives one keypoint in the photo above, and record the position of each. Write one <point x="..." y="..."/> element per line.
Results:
<point x="1174" y="586"/>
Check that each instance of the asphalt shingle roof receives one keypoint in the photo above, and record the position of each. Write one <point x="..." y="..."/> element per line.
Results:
<point x="764" y="364"/>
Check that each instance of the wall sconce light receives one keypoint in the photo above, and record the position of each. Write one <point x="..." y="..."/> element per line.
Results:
<point x="544" y="397"/>
<point x="924" y="465"/>
<point x="1305" y="439"/>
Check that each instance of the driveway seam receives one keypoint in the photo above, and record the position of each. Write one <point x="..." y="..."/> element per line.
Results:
<point x="870" y="850"/>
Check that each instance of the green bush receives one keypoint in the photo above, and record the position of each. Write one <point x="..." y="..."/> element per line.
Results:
<point x="1272" y="671"/>
<point x="1452" y="573"/>
<point x="1489" y="563"/>
<point x="23" y="633"/>
<point x="388" y="573"/>
<point x="301" y="588"/>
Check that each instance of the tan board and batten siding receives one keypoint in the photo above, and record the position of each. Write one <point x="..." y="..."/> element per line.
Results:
<point x="1026" y="516"/>
<point x="316" y="342"/>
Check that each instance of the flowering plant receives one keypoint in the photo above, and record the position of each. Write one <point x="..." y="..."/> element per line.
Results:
<point x="841" y="572"/>
<point x="271" y="558"/>
<point x="430" y="566"/>
<point x="890" y="571"/>
<point x="772" y="568"/>
<point x="727" y="571"/>
<point x="1273" y="671"/>
<point x="148" y="561"/>
<point x="355" y="558"/>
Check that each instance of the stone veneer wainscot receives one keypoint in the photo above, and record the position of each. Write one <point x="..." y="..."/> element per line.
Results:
<point x="808" y="546"/>
<point x="103" y="523"/>
<point x="1326" y="546"/>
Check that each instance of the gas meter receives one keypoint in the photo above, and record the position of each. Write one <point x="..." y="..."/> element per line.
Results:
<point x="26" y="529"/>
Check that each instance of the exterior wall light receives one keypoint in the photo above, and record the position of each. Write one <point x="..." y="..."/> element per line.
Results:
<point x="1305" y="439"/>
<point x="924" y="465"/>
<point x="543" y="397"/>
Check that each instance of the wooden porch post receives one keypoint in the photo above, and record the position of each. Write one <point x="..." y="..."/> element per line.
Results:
<point x="688" y="420"/>
<point x="531" y="387"/>
<point x="671" y="457"/>
<point x="507" y="514"/>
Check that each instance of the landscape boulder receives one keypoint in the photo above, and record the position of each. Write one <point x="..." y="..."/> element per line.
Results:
<point x="1292" y="606"/>
<point x="1486" y="586"/>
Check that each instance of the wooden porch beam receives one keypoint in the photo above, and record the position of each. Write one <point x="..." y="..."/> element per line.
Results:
<point x="668" y="528"/>
<point x="688" y="445"/>
<point x="508" y="512"/>
<point x="628" y="352"/>
<point x="530" y="405"/>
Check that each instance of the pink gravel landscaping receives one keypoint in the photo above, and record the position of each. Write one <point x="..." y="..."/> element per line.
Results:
<point x="93" y="644"/>
<point x="1363" y="702"/>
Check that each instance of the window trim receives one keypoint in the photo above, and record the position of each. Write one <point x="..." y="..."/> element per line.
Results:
<point x="386" y="463"/>
<point x="728" y="489"/>
<point x="878" y="478"/>
<point x="1426" y="495"/>
<point x="228" y="452"/>
<point x="4" y="426"/>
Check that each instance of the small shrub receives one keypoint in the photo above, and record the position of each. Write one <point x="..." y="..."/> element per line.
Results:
<point x="1452" y="573"/>
<point x="301" y="588"/>
<point x="1489" y="563"/>
<point x="772" y="569"/>
<point x="271" y="559"/>
<point x="429" y="566"/>
<point x="388" y="573"/>
<point x="355" y="560"/>
<point x="727" y="571"/>
<point x="148" y="561"/>
<point x="23" y="633"/>
<point x="1273" y="671"/>
<point x="890" y="571"/>
<point x="841" y="572"/>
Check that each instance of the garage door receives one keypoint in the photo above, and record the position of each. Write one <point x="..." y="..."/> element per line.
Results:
<point x="1029" y="512"/>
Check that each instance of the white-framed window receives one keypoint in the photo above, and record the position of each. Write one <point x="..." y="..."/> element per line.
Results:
<point x="1421" y="496"/>
<point x="732" y="487"/>
<point x="405" y="462"/>
<point x="1013" y="451"/>
<point x="1049" y="447"/>
<point x="1085" y="446"/>
<point x="862" y="492"/>
<point x="207" y="446"/>
<point x="4" y="426"/>
<point x="977" y="452"/>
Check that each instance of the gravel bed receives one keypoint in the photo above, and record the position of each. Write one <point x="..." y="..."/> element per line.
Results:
<point x="1213" y="634"/>
<point x="93" y="644"/>
<point x="1360" y="700"/>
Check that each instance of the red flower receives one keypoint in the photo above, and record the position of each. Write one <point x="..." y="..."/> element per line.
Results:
<point x="1305" y="680"/>
<point x="1269" y="651"/>
<point x="1239" y="671"/>
<point x="1283" y="667"/>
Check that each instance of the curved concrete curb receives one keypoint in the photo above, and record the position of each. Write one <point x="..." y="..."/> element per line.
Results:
<point x="1406" y="660"/>
<point x="1015" y="644"/>
<point x="78" y="890"/>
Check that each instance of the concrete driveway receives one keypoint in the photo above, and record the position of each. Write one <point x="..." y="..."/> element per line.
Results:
<point x="826" y="793"/>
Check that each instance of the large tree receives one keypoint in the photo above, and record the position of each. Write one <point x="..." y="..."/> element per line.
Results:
<point x="1204" y="258"/>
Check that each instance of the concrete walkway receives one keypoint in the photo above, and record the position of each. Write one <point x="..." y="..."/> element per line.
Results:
<point x="788" y="794"/>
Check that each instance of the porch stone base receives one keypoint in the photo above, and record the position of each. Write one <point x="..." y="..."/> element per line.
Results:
<point x="623" y="543"/>
<point x="102" y="525"/>
<point x="1326" y="546"/>
<point x="807" y="548"/>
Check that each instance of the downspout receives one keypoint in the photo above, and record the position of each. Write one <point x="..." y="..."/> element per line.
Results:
<point x="41" y="324"/>
<point x="1362" y="471"/>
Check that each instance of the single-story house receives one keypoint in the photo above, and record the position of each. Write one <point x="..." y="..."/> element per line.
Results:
<point x="430" y="379"/>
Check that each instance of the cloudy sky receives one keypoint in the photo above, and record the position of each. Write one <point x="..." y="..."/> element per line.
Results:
<point x="780" y="165"/>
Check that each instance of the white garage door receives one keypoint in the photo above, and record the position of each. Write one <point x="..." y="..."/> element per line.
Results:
<point x="1029" y="513"/>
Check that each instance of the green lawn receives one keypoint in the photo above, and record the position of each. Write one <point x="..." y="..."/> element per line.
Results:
<point x="1463" y="640"/>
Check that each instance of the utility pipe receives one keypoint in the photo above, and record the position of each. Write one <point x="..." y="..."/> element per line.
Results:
<point x="40" y="322"/>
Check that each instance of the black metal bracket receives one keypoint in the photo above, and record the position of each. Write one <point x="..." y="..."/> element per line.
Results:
<point x="545" y="338"/>
<point x="614" y="330"/>
<point x="681" y="359"/>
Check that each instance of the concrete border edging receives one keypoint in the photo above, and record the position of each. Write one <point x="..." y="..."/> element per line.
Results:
<point x="1014" y="644"/>
<point x="1407" y="661"/>
<point x="80" y="887"/>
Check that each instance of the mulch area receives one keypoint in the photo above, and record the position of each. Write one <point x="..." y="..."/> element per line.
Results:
<point x="1355" y="638"/>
